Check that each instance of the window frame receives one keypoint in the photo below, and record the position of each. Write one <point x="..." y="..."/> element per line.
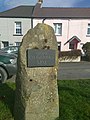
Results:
<point x="58" y="28"/>
<point x="18" y="28"/>
<point x="17" y="43"/>
<point x="88" y="29"/>
<point x="71" y="46"/>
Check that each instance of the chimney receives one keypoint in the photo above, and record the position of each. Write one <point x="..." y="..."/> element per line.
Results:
<point x="40" y="1"/>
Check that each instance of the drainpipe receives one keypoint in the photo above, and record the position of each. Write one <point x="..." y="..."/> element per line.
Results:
<point x="0" y="42"/>
<point x="40" y="1"/>
<point x="43" y="20"/>
<point x="68" y="30"/>
<point x="31" y="22"/>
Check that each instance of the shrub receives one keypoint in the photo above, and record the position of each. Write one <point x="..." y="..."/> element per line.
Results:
<point x="86" y="49"/>
<point x="72" y="53"/>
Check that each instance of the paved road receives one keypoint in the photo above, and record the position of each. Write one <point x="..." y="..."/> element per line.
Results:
<point x="71" y="71"/>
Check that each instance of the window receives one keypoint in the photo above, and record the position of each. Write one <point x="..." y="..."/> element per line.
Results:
<point x="18" y="28"/>
<point x="71" y="45"/>
<point x="18" y="43"/>
<point x="5" y="43"/>
<point x="58" y="28"/>
<point x="59" y="46"/>
<point x="88" y="29"/>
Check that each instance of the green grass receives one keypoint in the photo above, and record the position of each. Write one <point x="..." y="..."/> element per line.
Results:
<point x="74" y="99"/>
<point x="6" y="101"/>
<point x="74" y="96"/>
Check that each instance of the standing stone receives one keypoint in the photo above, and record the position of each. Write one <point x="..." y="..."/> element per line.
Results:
<point x="36" y="95"/>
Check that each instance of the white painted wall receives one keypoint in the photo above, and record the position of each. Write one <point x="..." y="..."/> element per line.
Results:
<point x="64" y="59"/>
<point x="7" y="28"/>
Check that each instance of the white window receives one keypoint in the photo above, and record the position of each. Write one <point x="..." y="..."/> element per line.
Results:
<point x="18" y="28"/>
<point x="58" y="28"/>
<point x="5" y="43"/>
<point x="18" y="43"/>
<point x="88" y="29"/>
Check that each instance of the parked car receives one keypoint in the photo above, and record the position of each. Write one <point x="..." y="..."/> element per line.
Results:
<point x="8" y="66"/>
<point x="10" y="49"/>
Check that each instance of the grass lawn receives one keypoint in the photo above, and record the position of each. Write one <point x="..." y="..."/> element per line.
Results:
<point x="74" y="96"/>
<point x="74" y="99"/>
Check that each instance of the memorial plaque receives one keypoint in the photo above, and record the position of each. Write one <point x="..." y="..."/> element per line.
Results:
<point x="40" y="58"/>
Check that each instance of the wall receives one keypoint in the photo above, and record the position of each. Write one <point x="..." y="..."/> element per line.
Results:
<point x="70" y="28"/>
<point x="7" y="29"/>
<point x="65" y="59"/>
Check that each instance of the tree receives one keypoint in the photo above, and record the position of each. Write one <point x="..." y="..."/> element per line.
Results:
<point x="86" y="50"/>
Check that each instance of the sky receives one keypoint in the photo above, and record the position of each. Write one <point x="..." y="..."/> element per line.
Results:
<point x="9" y="4"/>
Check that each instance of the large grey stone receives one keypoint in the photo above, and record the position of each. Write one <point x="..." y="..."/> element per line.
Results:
<point x="36" y="95"/>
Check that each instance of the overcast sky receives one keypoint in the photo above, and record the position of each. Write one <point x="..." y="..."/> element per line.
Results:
<point x="8" y="4"/>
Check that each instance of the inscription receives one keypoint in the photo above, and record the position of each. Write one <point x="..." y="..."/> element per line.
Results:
<point x="40" y="58"/>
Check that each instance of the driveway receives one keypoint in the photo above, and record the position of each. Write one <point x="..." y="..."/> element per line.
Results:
<point x="71" y="71"/>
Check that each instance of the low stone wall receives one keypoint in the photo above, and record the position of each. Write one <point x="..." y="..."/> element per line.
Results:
<point x="72" y="59"/>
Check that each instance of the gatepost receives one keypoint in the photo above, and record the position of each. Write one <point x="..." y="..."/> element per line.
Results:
<point x="36" y="96"/>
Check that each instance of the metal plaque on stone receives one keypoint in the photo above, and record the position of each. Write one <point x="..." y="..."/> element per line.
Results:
<point x="40" y="58"/>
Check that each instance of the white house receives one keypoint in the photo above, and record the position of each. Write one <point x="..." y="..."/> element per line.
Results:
<point x="14" y="23"/>
<point x="71" y="25"/>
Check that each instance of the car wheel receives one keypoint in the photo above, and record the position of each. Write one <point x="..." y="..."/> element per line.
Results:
<point x="3" y="75"/>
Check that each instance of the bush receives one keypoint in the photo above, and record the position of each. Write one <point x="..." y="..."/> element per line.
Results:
<point x="70" y="54"/>
<point x="86" y="50"/>
<point x="86" y="47"/>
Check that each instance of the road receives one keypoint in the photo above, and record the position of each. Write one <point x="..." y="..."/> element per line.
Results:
<point x="71" y="71"/>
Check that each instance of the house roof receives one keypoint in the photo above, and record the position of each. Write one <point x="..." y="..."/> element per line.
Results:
<point x="71" y="39"/>
<point x="52" y="12"/>
<point x="38" y="11"/>
<point x="18" y="12"/>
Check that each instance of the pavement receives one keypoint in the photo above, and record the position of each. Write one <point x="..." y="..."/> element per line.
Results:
<point x="74" y="71"/>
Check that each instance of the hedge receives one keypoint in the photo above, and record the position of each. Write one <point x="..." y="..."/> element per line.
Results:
<point x="72" y="53"/>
